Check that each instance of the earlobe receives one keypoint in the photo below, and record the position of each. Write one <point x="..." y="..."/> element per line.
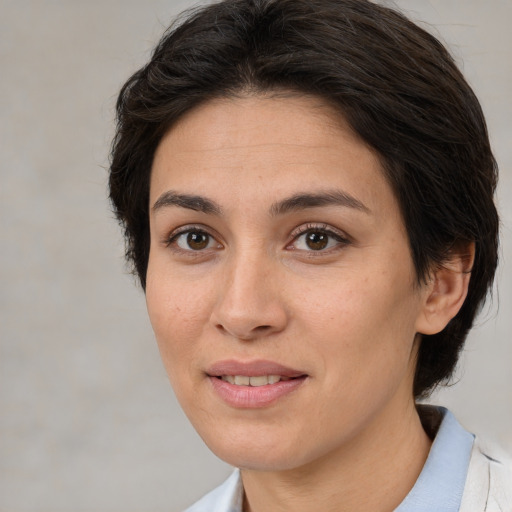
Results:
<point x="446" y="290"/>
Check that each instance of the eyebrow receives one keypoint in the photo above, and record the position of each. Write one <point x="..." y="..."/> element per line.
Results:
<point x="191" y="202"/>
<point x="329" y="198"/>
<point x="301" y="201"/>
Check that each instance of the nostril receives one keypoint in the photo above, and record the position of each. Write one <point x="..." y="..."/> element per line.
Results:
<point x="241" y="334"/>
<point x="262" y="328"/>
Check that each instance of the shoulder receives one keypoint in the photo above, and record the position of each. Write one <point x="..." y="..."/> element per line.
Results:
<point x="228" y="497"/>
<point x="489" y="481"/>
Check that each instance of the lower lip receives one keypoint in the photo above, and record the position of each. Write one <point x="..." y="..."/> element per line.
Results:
<point x="253" y="397"/>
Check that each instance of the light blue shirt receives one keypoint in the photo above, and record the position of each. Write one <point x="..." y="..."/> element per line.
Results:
<point x="439" y="487"/>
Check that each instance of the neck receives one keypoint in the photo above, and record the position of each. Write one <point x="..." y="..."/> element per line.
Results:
<point x="374" y="471"/>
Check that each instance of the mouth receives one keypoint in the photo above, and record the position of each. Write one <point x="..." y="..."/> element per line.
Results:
<point x="253" y="384"/>
<point x="254" y="380"/>
<point x="252" y="373"/>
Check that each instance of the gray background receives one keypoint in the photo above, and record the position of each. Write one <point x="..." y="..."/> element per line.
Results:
<point x="87" y="419"/>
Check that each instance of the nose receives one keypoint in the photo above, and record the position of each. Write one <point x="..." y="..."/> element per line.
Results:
<point x="250" y="302"/>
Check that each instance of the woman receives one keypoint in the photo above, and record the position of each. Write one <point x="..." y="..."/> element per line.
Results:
<point x="306" y="188"/>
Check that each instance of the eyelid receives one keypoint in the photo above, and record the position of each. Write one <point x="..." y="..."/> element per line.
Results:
<point x="175" y="233"/>
<point x="340" y="236"/>
<point x="320" y="226"/>
<point x="337" y="234"/>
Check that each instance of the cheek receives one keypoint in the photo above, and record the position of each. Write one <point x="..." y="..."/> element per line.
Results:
<point x="365" y="345"/>
<point x="365" y="326"/>
<point x="178" y="312"/>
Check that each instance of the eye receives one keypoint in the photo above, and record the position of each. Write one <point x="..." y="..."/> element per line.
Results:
<point x="317" y="239"/>
<point x="193" y="240"/>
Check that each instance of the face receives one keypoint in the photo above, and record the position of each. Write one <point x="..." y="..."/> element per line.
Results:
<point x="280" y="284"/>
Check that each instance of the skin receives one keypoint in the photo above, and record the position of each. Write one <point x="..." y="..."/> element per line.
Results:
<point x="347" y="315"/>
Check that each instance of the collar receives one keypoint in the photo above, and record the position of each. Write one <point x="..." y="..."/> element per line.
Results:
<point x="441" y="482"/>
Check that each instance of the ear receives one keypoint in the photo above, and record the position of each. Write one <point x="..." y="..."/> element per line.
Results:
<point x="446" y="290"/>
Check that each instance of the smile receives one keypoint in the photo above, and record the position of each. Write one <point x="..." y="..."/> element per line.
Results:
<point x="253" y="384"/>
<point x="256" y="381"/>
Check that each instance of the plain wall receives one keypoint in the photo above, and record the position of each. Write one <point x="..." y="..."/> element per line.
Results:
<point x="88" y="421"/>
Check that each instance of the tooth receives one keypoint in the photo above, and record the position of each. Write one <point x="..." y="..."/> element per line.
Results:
<point x="242" y="380"/>
<point x="258" y="380"/>
<point x="261" y="380"/>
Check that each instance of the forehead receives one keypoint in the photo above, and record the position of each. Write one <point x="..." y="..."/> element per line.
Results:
<point x="254" y="119"/>
<point x="274" y="146"/>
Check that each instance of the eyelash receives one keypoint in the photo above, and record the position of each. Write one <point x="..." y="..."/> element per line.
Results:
<point x="341" y="240"/>
<point x="171" y="240"/>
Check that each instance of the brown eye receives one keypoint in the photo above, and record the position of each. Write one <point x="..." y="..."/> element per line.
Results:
<point x="319" y="239"/>
<point x="194" y="240"/>
<point x="316" y="240"/>
<point x="197" y="240"/>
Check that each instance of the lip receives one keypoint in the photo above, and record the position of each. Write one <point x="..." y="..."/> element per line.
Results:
<point x="253" y="397"/>
<point x="250" y="368"/>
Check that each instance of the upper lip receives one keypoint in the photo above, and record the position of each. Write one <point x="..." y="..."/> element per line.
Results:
<point x="251" y="368"/>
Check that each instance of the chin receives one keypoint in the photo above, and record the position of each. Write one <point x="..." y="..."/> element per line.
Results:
<point x="258" y="448"/>
<point x="245" y="446"/>
<point x="257" y="458"/>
